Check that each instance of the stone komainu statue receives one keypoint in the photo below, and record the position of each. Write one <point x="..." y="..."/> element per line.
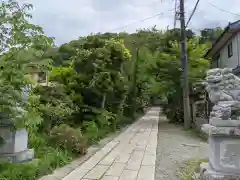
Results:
<point x="223" y="88"/>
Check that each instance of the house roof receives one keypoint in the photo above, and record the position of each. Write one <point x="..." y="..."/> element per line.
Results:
<point x="228" y="32"/>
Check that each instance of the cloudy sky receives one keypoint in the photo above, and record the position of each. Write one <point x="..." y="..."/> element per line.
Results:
<point x="68" y="19"/>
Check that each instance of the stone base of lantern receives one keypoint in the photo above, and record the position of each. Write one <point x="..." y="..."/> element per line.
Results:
<point x="224" y="153"/>
<point x="207" y="173"/>
<point x="14" y="149"/>
<point x="18" y="157"/>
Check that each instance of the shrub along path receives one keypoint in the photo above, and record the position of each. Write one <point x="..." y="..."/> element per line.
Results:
<point x="149" y="149"/>
<point x="130" y="155"/>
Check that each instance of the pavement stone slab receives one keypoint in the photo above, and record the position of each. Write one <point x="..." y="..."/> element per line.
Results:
<point x="149" y="160"/>
<point x="129" y="175"/>
<point x="140" y="148"/>
<point x="134" y="166"/>
<point x="76" y="174"/>
<point x="110" y="178"/>
<point x="146" y="173"/>
<point x="116" y="169"/>
<point x="97" y="172"/>
<point x="123" y="158"/>
<point x="136" y="156"/>
<point x="110" y="158"/>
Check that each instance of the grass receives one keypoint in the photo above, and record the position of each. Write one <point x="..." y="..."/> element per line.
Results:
<point x="46" y="160"/>
<point x="192" y="166"/>
<point x="196" y="133"/>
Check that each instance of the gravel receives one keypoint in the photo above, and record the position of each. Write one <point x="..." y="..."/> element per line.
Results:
<point x="175" y="147"/>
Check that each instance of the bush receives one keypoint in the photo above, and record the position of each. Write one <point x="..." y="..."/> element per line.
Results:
<point x="56" y="105"/>
<point x="49" y="160"/>
<point x="174" y="113"/>
<point x="37" y="140"/>
<point x="91" y="131"/>
<point x="65" y="137"/>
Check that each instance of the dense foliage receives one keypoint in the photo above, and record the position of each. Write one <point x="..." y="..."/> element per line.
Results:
<point x="94" y="85"/>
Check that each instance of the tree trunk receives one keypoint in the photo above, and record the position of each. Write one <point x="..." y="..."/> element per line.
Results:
<point x="194" y="113"/>
<point x="103" y="100"/>
<point x="47" y="78"/>
<point x="134" y="84"/>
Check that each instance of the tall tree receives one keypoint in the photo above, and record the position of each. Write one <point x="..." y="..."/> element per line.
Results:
<point x="21" y="44"/>
<point x="167" y="70"/>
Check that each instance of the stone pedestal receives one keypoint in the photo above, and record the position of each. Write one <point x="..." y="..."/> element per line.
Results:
<point x="208" y="173"/>
<point x="224" y="154"/>
<point x="14" y="147"/>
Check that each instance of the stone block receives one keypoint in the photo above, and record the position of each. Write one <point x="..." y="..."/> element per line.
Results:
<point x="97" y="172"/>
<point x="146" y="172"/>
<point x="224" y="123"/>
<point x="224" y="153"/>
<point x="208" y="173"/>
<point x="133" y="165"/>
<point x="129" y="175"/>
<point x="110" y="158"/>
<point x="76" y="174"/>
<point x="14" y="141"/>
<point x="220" y="131"/>
<point x="116" y="169"/>
<point x="18" y="157"/>
<point x="136" y="156"/>
<point x="90" y="163"/>
<point x="21" y="140"/>
<point x="110" y="178"/>
<point x="15" y="145"/>
<point x="149" y="160"/>
<point x="123" y="158"/>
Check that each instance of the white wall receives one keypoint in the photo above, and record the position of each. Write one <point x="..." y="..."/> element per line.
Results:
<point x="233" y="61"/>
<point x="238" y="48"/>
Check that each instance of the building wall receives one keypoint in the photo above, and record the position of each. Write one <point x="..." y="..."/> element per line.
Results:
<point x="233" y="61"/>
<point x="238" y="45"/>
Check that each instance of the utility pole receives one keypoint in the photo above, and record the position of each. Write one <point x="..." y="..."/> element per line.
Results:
<point x="187" y="116"/>
<point x="176" y="14"/>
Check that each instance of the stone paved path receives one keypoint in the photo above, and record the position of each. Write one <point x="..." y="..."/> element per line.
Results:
<point x="130" y="156"/>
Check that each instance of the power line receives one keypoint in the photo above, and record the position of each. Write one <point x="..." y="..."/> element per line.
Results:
<point x="141" y="20"/>
<point x="222" y="9"/>
<point x="194" y="10"/>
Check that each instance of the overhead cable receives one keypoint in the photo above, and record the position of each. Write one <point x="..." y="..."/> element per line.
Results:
<point x="141" y="20"/>
<point x="222" y="9"/>
<point x="194" y="10"/>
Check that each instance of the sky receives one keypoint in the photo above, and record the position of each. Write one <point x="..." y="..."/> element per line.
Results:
<point x="67" y="20"/>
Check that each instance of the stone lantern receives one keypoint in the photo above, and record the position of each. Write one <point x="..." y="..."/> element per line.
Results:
<point x="14" y="143"/>
<point x="223" y="129"/>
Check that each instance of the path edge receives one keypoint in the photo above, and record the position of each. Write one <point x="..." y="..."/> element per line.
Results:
<point x="62" y="172"/>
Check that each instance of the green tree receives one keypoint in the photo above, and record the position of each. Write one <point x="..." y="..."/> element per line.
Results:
<point x="98" y="76"/>
<point x="210" y="35"/>
<point x="18" y="53"/>
<point x="167" y="69"/>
